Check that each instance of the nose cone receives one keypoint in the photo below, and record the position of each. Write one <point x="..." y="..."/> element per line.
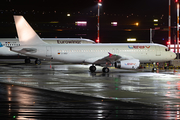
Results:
<point x="173" y="55"/>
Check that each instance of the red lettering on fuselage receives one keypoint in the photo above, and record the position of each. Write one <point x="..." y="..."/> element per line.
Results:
<point x="141" y="47"/>
<point x="131" y="63"/>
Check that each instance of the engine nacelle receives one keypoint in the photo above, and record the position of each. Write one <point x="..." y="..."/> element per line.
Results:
<point x="127" y="64"/>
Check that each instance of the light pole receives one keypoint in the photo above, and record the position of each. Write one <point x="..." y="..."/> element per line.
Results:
<point x="99" y="4"/>
<point x="169" y="37"/>
<point x="177" y="1"/>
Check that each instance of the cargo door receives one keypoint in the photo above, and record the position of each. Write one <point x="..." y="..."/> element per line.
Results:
<point x="158" y="52"/>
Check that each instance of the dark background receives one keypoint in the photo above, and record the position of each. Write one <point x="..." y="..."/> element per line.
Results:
<point x="49" y="19"/>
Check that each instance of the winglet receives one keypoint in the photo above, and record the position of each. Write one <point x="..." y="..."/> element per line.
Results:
<point x="26" y="35"/>
<point x="110" y="55"/>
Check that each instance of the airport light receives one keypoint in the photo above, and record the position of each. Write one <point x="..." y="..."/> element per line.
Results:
<point x="99" y="4"/>
<point x="68" y="15"/>
<point x="114" y="23"/>
<point x="81" y="23"/>
<point x="168" y="43"/>
<point x="97" y="40"/>
<point x="137" y="24"/>
<point x="131" y="39"/>
<point x="155" y="20"/>
<point x="155" y="24"/>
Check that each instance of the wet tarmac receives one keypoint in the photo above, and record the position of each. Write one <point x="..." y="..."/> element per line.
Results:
<point x="57" y="91"/>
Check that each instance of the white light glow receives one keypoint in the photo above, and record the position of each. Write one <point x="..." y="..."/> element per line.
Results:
<point x="99" y="4"/>
<point x="131" y="39"/>
<point x="81" y="23"/>
<point x="114" y="23"/>
<point x="155" y="20"/>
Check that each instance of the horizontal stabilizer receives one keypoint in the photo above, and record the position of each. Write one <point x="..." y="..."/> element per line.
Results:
<point x="23" y="50"/>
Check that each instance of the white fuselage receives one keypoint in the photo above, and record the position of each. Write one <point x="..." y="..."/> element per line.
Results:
<point x="89" y="53"/>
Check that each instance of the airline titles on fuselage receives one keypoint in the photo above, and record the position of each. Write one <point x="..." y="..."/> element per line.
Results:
<point x="68" y="41"/>
<point x="130" y="63"/>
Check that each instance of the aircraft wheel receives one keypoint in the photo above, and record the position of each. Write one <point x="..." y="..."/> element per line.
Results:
<point x="154" y="69"/>
<point x="105" y="70"/>
<point x="38" y="62"/>
<point x="27" y="60"/>
<point x="92" y="68"/>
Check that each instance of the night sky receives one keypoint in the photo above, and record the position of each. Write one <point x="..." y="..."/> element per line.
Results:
<point x="41" y="14"/>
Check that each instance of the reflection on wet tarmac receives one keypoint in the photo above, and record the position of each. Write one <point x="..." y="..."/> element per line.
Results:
<point x="31" y="104"/>
<point x="154" y="89"/>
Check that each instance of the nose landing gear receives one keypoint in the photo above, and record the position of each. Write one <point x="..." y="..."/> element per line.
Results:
<point x="154" y="67"/>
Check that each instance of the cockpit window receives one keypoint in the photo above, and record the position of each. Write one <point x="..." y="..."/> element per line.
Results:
<point x="167" y="49"/>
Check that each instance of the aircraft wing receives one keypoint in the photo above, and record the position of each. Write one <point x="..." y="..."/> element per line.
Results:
<point x="104" y="60"/>
<point x="108" y="59"/>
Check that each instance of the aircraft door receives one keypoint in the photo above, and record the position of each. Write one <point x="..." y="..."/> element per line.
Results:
<point x="48" y="51"/>
<point x="158" y="52"/>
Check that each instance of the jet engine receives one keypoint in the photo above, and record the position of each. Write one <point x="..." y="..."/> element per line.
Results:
<point x="127" y="64"/>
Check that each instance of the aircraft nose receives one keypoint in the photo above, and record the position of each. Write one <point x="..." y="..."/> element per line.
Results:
<point x="173" y="55"/>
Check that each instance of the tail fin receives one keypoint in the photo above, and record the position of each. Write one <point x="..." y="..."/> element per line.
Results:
<point x="26" y="35"/>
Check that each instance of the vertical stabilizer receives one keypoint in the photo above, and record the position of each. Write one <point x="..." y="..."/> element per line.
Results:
<point x="26" y="35"/>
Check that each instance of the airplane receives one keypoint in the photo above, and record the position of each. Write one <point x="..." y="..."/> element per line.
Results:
<point x="6" y="43"/>
<point x="122" y="56"/>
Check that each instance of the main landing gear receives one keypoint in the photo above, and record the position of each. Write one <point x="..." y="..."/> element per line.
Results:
<point x="28" y="60"/>
<point x="93" y="69"/>
<point x="37" y="62"/>
<point x="154" y="69"/>
<point x="105" y="70"/>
